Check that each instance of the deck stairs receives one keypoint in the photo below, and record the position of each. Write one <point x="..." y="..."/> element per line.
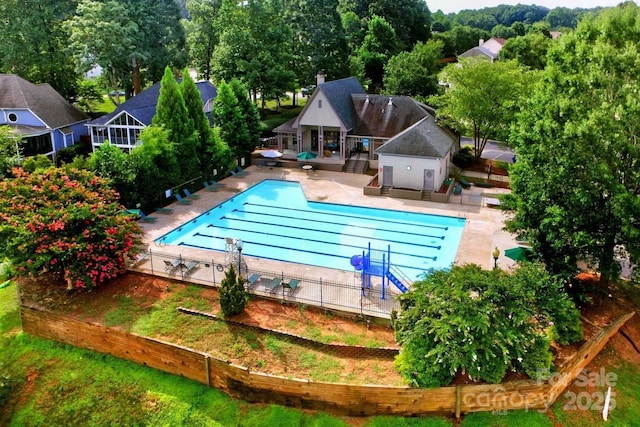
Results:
<point x="356" y="166"/>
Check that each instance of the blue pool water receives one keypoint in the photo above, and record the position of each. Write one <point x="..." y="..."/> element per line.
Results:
<point x="275" y="221"/>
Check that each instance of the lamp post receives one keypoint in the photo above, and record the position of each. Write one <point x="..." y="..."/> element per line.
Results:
<point x="496" y="254"/>
<point x="239" y="246"/>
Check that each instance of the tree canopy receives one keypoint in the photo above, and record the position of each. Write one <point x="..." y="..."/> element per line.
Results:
<point x="576" y="185"/>
<point x="34" y="42"/>
<point x="68" y="222"/>
<point x="482" y="98"/>
<point x="255" y="47"/>
<point x="414" y="73"/>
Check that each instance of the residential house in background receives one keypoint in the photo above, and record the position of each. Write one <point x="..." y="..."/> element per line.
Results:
<point x="40" y="115"/>
<point x="122" y="127"/>
<point x="341" y="124"/>
<point x="489" y="49"/>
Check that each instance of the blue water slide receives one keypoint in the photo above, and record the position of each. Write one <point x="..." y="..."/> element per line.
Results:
<point x="393" y="279"/>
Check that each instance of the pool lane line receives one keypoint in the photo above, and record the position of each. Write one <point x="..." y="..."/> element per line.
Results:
<point x="274" y="215"/>
<point x="370" y="238"/>
<point x="359" y="248"/>
<point x="346" y="258"/>
<point x="350" y="216"/>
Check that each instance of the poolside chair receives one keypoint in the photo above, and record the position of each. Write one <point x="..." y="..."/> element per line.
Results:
<point x="216" y="183"/>
<point x="237" y="175"/>
<point x="209" y="187"/>
<point x="181" y="200"/>
<point x="241" y="171"/>
<point x="169" y="266"/>
<point x="189" y="195"/>
<point x="165" y="211"/>
<point x="291" y="285"/>
<point x="252" y="280"/>
<point x="271" y="284"/>
<point x="188" y="268"/>
<point x="145" y="218"/>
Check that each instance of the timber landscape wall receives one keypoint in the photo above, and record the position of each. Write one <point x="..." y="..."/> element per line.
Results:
<point x="348" y="399"/>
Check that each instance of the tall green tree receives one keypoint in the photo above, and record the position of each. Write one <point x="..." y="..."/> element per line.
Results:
<point x="414" y="73"/>
<point x="530" y="50"/>
<point x="250" y="113"/>
<point x="255" y="47"/>
<point x="576" y="184"/>
<point x="410" y="19"/>
<point x="318" y="39"/>
<point x="172" y="114"/>
<point x="195" y="111"/>
<point x="34" y="43"/>
<point x="482" y="98"/>
<point x="160" y="40"/>
<point x="133" y="40"/>
<point x="461" y="38"/>
<point x="229" y="118"/>
<point x="202" y="34"/>
<point x="68" y="222"/>
<point x="102" y="33"/>
<point x="380" y="44"/>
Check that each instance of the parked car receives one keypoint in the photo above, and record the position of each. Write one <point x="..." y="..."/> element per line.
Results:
<point x="308" y="90"/>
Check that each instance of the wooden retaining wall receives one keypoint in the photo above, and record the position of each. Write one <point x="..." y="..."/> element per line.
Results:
<point x="355" y="400"/>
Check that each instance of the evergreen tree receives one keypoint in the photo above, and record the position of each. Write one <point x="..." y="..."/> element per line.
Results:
<point x="251" y="115"/>
<point x="171" y="113"/>
<point x="233" y="297"/>
<point x="228" y="116"/>
<point x="195" y="111"/>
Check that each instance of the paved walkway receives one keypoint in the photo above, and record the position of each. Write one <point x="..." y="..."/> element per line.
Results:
<point x="483" y="230"/>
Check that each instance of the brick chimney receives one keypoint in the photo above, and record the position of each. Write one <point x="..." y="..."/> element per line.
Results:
<point x="320" y="77"/>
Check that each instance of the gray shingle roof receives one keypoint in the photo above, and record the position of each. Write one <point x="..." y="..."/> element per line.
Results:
<point x="338" y="93"/>
<point x="424" y="139"/>
<point x="385" y="116"/>
<point x="143" y="105"/>
<point x="41" y="99"/>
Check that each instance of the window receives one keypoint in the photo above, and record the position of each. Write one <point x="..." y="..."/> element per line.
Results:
<point x="13" y="117"/>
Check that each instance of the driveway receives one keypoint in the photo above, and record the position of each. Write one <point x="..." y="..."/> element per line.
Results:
<point x="494" y="150"/>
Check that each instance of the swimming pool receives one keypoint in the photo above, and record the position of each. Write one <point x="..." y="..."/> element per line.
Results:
<point x="275" y="221"/>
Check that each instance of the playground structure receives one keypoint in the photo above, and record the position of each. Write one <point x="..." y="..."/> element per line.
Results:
<point x="377" y="263"/>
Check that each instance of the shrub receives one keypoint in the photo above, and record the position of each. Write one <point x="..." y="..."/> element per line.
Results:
<point x="233" y="297"/>
<point x="65" y="221"/>
<point x="464" y="157"/>
<point x="478" y="322"/>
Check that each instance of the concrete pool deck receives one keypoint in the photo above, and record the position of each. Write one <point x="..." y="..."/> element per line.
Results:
<point x="483" y="229"/>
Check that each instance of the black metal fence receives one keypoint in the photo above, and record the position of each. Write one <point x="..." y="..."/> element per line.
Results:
<point x="314" y="291"/>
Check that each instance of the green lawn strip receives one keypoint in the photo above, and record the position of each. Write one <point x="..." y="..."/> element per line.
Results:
<point x="125" y="314"/>
<point x="531" y="418"/>
<point x="408" y="422"/>
<point x="584" y="407"/>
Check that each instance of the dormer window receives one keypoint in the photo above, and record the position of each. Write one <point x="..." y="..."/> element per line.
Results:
<point x="319" y="103"/>
<point x="13" y="117"/>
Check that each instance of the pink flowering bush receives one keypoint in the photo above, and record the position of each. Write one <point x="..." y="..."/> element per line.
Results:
<point x="66" y="221"/>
